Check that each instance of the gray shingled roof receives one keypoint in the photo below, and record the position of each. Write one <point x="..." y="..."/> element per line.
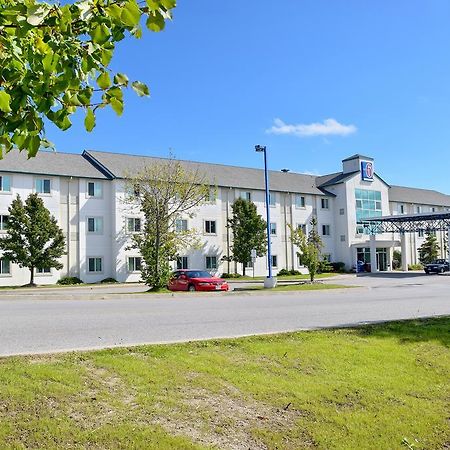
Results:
<point x="334" y="178"/>
<point x="357" y="156"/>
<point x="119" y="165"/>
<point x="49" y="163"/>
<point x="403" y="194"/>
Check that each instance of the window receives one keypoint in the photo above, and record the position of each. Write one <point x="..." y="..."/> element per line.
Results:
<point x="182" y="263"/>
<point x="433" y="209"/>
<point x="212" y="195"/>
<point x="342" y="237"/>
<point x="273" y="228"/>
<point x="368" y="204"/>
<point x="326" y="257"/>
<point x="272" y="199"/>
<point x="326" y="230"/>
<point x="95" y="189"/>
<point x="299" y="260"/>
<point x="420" y="233"/>
<point x="274" y="261"/>
<point x="418" y="209"/>
<point x="211" y="262"/>
<point x="302" y="226"/>
<point x="401" y="209"/>
<point x="249" y="264"/>
<point x="134" y="263"/>
<point x="325" y="203"/>
<point x="42" y="186"/>
<point x="133" y="225"/>
<point x="246" y="195"/>
<point x="44" y="271"/>
<point x="5" y="183"/>
<point x="95" y="225"/>
<point x="95" y="264"/>
<point x="181" y="225"/>
<point x="5" y="266"/>
<point x="341" y="211"/>
<point x="210" y="226"/>
<point x="299" y="201"/>
<point x="3" y="222"/>
<point x="363" y="254"/>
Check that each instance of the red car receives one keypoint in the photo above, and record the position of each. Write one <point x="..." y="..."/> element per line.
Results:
<point x="196" y="280"/>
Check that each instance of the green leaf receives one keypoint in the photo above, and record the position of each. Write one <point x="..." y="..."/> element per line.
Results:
<point x="89" y="120"/>
<point x="155" y="22"/>
<point x="33" y="145"/>
<point x="121" y="78"/>
<point x="169" y="4"/>
<point x="117" y="106"/>
<point x="100" y="34"/>
<point x="104" y="81"/>
<point x="5" y="100"/>
<point x="141" y="89"/>
<point x="37" y="13"/>
<point x="131" y="14"/>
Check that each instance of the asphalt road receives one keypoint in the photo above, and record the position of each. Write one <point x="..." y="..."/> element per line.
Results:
<point x="57" y="320"/>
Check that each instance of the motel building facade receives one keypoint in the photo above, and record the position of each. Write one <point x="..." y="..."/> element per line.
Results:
<point x="86" y="194"/>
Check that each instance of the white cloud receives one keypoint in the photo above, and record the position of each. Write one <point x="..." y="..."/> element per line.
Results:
<point x="329" y="127"/>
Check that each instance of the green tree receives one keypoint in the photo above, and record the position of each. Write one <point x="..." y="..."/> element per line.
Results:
<point x="310" y="247"/>
<point x="54" y="60"/>
<point x="249" y="231"/>
<point x="429" y="250"/>
<point x="34" y="239"/>
<point x="165" y="192"/>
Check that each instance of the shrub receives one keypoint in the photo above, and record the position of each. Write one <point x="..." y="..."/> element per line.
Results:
<point x="325" y="266"/>
<point x="283" y="272"/>
<point x="415" y="267"/>
<point x="294" y="272"/>
<point x="109" y="280"/>
<point x="230" y="275"/>
<point x="338" y="266"/>
<point x="69" y="280"/>
<point x="397" y="259"/>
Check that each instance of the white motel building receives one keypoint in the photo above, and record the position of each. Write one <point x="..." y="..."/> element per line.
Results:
<point x="86" y="194"/>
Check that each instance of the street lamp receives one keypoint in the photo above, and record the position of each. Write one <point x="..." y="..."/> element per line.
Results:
<point x="270" y="281"/>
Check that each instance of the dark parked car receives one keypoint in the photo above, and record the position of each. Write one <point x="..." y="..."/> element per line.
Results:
<point x="438" y="266"/>
<point x="196" y="280"/>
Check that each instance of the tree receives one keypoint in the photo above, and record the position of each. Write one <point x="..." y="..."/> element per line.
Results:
<point x="429" y="250"/>
<point x="310" y="247"/>
<point x="249" y="231"/>
<point x="34" y="239"/>
<point x="54" y="60"/>
<point x="164" y="192"/>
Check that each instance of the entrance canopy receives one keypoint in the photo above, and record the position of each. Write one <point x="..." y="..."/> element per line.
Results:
<point x="408" y="223"/>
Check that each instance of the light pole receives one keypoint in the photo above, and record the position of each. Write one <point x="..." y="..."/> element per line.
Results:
<point x="270" y="281"/>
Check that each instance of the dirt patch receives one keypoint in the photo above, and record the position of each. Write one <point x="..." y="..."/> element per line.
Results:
<point x="230" y="421"/>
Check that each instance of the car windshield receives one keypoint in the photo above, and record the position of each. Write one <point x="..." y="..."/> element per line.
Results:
<point x="198" y="274"/>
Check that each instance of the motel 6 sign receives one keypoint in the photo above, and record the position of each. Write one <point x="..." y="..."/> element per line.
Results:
<point x="366" y="171"/>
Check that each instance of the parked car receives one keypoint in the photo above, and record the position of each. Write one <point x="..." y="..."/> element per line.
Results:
<point x="196" y="280"/>
<point x="438" y="266"/>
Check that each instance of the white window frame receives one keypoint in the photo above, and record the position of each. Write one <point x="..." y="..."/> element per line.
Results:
<point x="132" y="229"/>
<point x="96" y="219"/>
<point x="180" y="229"/>
<point x="302" y="203"/>
<point x="95" y="271"/>
<point x="216" y="265"/>
<point x="43" y="180"/>
<point x="246" y="195"/>
<point x="401" y="208"/>
<point x="95" y="183"/>
<point x="274" y="228"/>
<point x="303" y="227"/>
<point x="3" y="222"/>
<point x="212" y="198"/>
<point x="182" y="259"/>
<point x="43" y="274"/>
<point x="272" y="199"/>
<point x="324" y="229"/>
<point x="2" y="267"/>
<point x="325" y="203"/>
<point x="5" y="191"/>
<point x="276" y="259"/>
<point x="205" y="231"/>
<point x="131" y="268"/>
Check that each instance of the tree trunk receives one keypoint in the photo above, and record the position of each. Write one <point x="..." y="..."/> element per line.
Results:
<point x="31" y="276"/>
<point x="243" y="269"/>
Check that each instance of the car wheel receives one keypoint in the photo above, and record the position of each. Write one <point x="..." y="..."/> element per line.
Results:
<point x="191" y="288"/>
<point x="426" y="271"/>
<point x="441" y="270"/>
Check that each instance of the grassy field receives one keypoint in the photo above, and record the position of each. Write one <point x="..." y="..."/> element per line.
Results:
<point x="375" y="387"/>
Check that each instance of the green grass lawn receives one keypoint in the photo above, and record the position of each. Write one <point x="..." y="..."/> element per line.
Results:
<point x="374" y="387"/>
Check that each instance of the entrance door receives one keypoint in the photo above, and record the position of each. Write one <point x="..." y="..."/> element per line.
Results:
<point x="382" y="259"/>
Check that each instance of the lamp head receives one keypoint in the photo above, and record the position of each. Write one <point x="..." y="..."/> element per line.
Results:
<point x="285" y="170"/>
<point x="260" y="148"/>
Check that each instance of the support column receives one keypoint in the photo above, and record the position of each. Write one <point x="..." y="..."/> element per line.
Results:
<point x="448" y="244"/>
<point x="404" y="251"/>
<point x="373" y="254"/>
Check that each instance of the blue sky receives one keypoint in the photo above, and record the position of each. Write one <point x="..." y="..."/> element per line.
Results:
<point x="313" y="80"/>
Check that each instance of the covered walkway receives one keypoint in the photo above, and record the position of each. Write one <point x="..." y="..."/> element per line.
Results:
<point x="406" y="223"/>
